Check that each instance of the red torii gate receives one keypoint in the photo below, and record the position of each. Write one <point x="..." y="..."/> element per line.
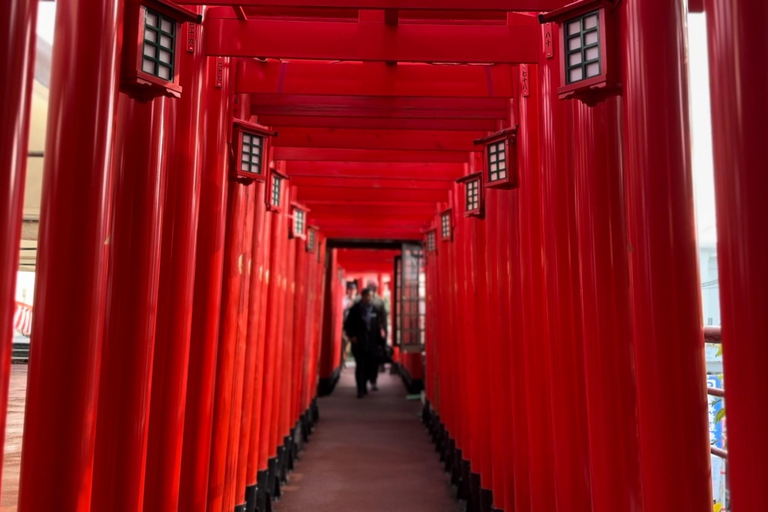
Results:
<point x="326" y="114"/>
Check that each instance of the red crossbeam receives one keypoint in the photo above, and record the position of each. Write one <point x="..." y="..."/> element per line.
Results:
<point x="377" y="139"/>
<point x="304" y="181"/>
<point x="372" y="42"/>
<point x="364" y="194"/>
<point x="426" y="5"/>
<point x="374" y="170"/>
<point x="375" y="79"/>
<point x="367" y="155"/>
<point x="373" y="123"/>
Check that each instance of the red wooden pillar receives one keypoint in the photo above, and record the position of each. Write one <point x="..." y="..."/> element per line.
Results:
<point x="177" y="274"/>
<point x="498" y="364"/>
<point x="669" y="354"/>
<point x="17" y="66"/>
<point x="606" y="308"/>
<point x="251" y="384"/>
<point x="62" y="390"/>
<point x="234" y="500"/>
<point x="528" y="159"/>
<point x="235" y="266"/>
<point x="126" y="366"/>
<point x="566" y="356"/>
<point x="209" y="269"/>
<point x="536" y="322"/>
<point x="737" y="50"/>
<point x="259" y="380"/>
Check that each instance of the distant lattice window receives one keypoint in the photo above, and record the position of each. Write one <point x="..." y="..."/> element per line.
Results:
<point x="497" y="161"/>
<point x="431" y="241"/>
<point x="299" y="216"/>
<point x="473" y="195"/>
<point x="311" y="240"/>
<point x="159" y="45"/>
<point x="276" y="184"/>
<point x="445" y="225"/>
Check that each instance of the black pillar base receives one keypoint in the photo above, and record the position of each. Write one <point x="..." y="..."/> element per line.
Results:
<point x="287" y="457"/>
<point x="486" y="500"/>
<point x="263" y="497"/>
<point x="473" y="504"/>
<point x="449" y="452"/>
<point x="466" y="480"/>
<point x="274" y="477"/>
<point x="250" y="498"/>
<point x="240" y="508"/>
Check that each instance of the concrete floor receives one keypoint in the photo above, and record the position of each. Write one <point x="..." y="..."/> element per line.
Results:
<point x="369" y="455"/>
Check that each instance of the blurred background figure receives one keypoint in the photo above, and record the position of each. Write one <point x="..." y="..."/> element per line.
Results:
<point x="349" y="300"/>
<point x="363" y="326"/>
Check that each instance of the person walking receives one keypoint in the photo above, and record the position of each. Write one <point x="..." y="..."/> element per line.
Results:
<point x="364" y="330"/>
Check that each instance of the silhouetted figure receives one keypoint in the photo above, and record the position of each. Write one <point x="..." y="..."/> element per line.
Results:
<point x="363" y="327"/>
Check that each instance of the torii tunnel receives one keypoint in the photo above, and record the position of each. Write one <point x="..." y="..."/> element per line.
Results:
<point x="216" y="169"/>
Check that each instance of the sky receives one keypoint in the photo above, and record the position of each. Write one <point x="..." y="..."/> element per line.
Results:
<point x="701" y="125"/>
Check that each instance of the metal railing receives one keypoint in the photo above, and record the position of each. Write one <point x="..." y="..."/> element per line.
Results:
<point x="712" y="335"/>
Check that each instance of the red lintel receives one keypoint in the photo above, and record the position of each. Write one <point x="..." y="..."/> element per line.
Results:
<point x="306" y="194"/>
<point x="379" y="183"/>
<point x="426" y="5"/>
<point x="370" y="42"/>
<point x="377" y="139"/>
<point x="367" y="155"/>
<point x="375" y="79"/>
<point x="377" y="123"/>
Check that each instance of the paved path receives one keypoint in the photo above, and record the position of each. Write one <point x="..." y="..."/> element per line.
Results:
<point x="369" y="455"/>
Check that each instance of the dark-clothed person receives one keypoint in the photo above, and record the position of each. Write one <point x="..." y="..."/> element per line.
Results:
<point x="363" y="327"/>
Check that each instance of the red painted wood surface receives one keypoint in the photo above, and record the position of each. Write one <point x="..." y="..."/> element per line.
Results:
<point x="177" y="274"/>
<point x="209" y="271"/>
<point x="738" y="98"/>
<point x="132" y="294"/>
<point x="17" y="24"/>
<point x="62" y="390"/>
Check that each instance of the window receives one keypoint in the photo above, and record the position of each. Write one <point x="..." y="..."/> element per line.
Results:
<point x="250" y="154"/>
<point x="159" y="45"/>
<point x="431" y="241"/>
<point x="311" y="240"/>
<point x="497" y="161"/>
<point x="445" y="225"/>
<point x="473" y="195"/>
<point x="473" y="192"/>
<point x="582" y="47"/>
<point x="298" y="222"/>
<point x="500" y="162"/>
<point x="276" y="184"/>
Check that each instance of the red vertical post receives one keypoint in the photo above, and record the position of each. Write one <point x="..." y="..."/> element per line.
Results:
<point x="126" y="366"/>
<point x="566" y="356"/>
<point x="62" y="390"/>
<point x="535" y="323"/>
<point x="251" y="384"/>
<point x="235" y="266"/>
<point x="177" y="274"/>
<point x="606" y="308"/>
<point x="209" y="270"/>
<point x="260" y="378"/>
<point x="666" y="301"/>
<point x="498" y="365"/>
<point x="737" y="49"/>
<point x="274" y="276"/>
<point x="233" y="501"/>
<point x="17" y="65"/>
